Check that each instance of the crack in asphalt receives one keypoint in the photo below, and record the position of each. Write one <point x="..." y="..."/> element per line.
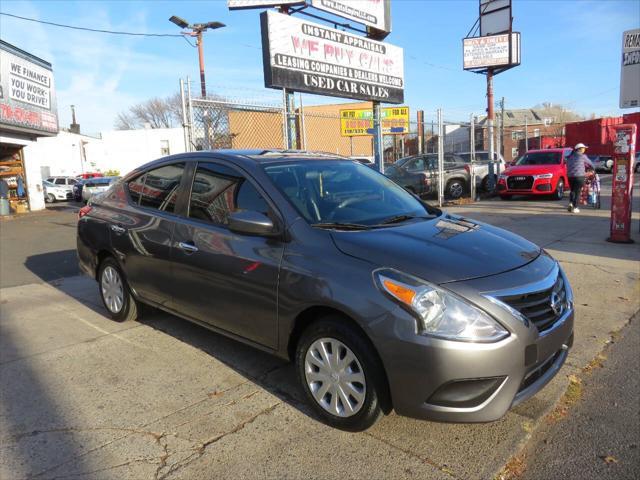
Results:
<point x="428" y="461"/>
<point x="201" y="449"/>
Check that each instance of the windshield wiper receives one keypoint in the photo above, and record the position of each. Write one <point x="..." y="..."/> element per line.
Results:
<point x="342" y="226"/>
<point x="400" y="218"/>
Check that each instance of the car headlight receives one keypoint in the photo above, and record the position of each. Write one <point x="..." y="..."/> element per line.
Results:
<point x="440" y="313"/>
<point x="502" y="176"/>
<point x="543" y="175"/>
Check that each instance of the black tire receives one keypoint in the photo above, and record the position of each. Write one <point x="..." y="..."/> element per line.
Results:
<point x="50" y="198"/>
<point x="376" y="398"/>
<point x="484" y="185"/>
<point x="129" y="307"/>
<point x="505" y="197"/>
<point x="559" y="193"/>
<point x="455" y="189"/>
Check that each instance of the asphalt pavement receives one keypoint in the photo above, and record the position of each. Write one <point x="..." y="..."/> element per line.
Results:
<point x="600" y="435"/>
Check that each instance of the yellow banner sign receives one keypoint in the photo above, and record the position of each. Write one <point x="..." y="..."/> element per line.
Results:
<point x="359" y="122"/>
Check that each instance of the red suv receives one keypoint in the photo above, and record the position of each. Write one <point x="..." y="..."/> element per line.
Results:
<point x="537" y="172"/>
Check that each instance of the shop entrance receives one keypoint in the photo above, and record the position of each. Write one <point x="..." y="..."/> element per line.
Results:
<point x="12" y="171"/>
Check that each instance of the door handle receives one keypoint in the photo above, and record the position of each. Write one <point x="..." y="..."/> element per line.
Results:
<point x="117" y="229"/>
<point x="188" y="247"/>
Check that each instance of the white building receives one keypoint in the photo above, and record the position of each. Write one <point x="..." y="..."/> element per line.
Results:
<point x="121" y="151"/>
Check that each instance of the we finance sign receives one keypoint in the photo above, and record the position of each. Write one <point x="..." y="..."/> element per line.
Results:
<point x="307" y="57"/>
<point x="27" y="93"/>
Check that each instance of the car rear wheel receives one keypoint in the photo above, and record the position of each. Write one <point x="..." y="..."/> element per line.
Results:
<point x="115" y="293"/>
<point x="559" y="193"/>
<point x="455" y="189"/>
<point x="485" y="182"/>
<point x="340" y="374"/>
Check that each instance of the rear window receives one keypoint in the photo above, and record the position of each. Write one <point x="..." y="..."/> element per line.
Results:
<point x="157" y="188"/>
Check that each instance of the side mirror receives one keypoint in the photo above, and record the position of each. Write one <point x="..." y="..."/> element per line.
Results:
<point x="250" y="222"/>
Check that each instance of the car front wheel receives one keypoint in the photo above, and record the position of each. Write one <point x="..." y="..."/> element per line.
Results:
<point x="455" y="189"/>
<point x="559" y="193"/>
<point x="50" y="198"/>
<point x="340" y="374"/>
<point x="115" y="293"/>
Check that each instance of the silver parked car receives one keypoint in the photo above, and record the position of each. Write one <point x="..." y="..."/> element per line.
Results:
<point x="481" y="166"/>
<point x="66" y="183"/>
<point x="96" y="185"/>
<point x="381" y="301"/>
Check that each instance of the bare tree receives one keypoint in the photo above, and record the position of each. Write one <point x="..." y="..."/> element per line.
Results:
<point x="155" y="113"/>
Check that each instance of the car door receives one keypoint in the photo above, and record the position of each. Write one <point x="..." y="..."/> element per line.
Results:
<point x="141" y="234"/>
<point x="222" y="278"/>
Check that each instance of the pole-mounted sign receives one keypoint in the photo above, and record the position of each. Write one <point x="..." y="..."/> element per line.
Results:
<point x="372" y="13"/>
<point x="359" y="121"/>
<point x="308" y="57"/>
<point x="630" y="69"/>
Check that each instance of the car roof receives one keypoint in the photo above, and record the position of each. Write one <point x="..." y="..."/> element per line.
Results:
<point x="241" y="157"/>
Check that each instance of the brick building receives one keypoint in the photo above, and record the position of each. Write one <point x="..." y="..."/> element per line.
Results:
<point x="534" y="124"/>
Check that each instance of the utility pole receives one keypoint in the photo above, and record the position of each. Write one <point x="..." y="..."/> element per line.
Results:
<point x="420" y="131"/>
<point x="502" y="126"/>
<point x="197" y="30"/>
<point x="490" y="119"/>
<point x="526" y="134"/>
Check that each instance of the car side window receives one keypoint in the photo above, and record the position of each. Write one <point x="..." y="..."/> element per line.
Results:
<point x="416" y="165"/>
<point x="71" y="181"/>
<point x="135" y="188"/>
<point x="160" y="190"/>
<point x="59" y="181"/>
<point x="218" y="191"/>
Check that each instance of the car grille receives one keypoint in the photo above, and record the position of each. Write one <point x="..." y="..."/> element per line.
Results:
<point x="538" y="306"/>
<point x="520" y="182"/>
<point x="536" y="374"/>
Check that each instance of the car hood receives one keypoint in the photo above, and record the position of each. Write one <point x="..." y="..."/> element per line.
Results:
<point x="445" y="249"/>
<point x="532" y="169"/>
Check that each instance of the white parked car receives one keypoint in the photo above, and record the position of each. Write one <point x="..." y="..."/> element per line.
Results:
<point x="53" y="192"/>
<point x="93" y="186"/>
<point x="65" y="182"/>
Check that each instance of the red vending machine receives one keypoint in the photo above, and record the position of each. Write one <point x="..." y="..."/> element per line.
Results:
<point x="624" y="149"/>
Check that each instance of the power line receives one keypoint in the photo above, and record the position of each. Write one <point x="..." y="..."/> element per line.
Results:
<point x="97" y="30"/>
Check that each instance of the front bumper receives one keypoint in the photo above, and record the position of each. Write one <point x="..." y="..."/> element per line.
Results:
<point x="453" y="381"/>
<point x="540" y="186"/>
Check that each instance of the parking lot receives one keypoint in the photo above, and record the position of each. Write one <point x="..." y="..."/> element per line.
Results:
<point x="85" y="397"/>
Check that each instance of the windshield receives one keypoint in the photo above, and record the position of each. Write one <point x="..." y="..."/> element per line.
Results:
<point x="330" y="192"/>
<point x="47" y="184"/>
<point x="540" y="158"/>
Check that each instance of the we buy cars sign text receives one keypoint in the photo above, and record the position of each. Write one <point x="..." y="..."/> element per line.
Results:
<point x="308" y="57"/>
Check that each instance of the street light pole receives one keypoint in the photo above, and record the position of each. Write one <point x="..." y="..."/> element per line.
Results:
<point x="196" y="31"/>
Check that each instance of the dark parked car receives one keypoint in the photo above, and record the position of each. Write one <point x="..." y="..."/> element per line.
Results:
<point x="381" y="301"/>
<point x="419" y="175"/>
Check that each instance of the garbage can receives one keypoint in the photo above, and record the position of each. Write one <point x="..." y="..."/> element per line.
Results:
<point x="4" y="207"/>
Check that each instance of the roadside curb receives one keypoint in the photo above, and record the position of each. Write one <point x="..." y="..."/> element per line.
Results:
<point x="517" y="460"/>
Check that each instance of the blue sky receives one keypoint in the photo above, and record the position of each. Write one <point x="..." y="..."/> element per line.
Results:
<point x="570" y="54"/>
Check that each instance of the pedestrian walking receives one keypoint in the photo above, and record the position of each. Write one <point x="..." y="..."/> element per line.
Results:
<point x="577" y="164"/>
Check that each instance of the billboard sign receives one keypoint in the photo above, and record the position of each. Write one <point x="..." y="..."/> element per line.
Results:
<point x="491" y="51"/>
<point x="495" y="17"/>
<point x="630" y="69"/>
<point x="359" y="122"/>
<point x="311" y="58"/>
<point x="373" y="13"/>
<point x="27" y="93"/>
<point x="246" y="4"/>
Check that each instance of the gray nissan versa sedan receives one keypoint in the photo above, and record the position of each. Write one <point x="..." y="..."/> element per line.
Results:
<point x="381" y="301"/>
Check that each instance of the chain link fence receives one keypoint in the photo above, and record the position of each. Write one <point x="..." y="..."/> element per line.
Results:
<point x="219" y="123"/>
